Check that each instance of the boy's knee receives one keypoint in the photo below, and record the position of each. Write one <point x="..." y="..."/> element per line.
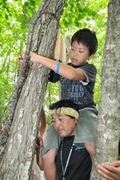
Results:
<point x="50" y="156"/>
<point x="90" y="146"/>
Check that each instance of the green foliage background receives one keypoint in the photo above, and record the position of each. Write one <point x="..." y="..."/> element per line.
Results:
<point x="15" y="17"/>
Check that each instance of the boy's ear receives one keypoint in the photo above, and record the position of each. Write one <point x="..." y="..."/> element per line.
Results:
<point x="91" y="56"/>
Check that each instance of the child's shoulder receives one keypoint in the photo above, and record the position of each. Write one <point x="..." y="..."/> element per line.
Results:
<point x="88" y="66"/>
<point x="85" y="65"/>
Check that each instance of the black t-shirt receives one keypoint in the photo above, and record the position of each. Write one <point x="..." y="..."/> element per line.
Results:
<point x="78" y="91"/>
<point x="78" y="159"/>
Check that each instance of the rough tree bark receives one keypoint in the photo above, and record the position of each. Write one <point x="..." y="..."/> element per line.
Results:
<point x="109" y="111"/>
<point x="27" y="99"/>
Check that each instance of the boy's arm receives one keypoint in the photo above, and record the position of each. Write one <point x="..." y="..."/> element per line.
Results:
<point x="62" y="69"/>
<point x="53" y="77"/>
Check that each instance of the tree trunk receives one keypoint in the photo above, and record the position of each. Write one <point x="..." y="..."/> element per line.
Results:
<point x="109" y="111"/>
<point x="27" y="99"/>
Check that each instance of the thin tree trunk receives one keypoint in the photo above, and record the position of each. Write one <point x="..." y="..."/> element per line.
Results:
<point x="109" y="111"/>
<point x="27" y="99"/>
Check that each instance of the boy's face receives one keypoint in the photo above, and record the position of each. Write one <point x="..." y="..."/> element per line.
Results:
<point x="79" y="53"/>
<point x="64" y="124"/>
